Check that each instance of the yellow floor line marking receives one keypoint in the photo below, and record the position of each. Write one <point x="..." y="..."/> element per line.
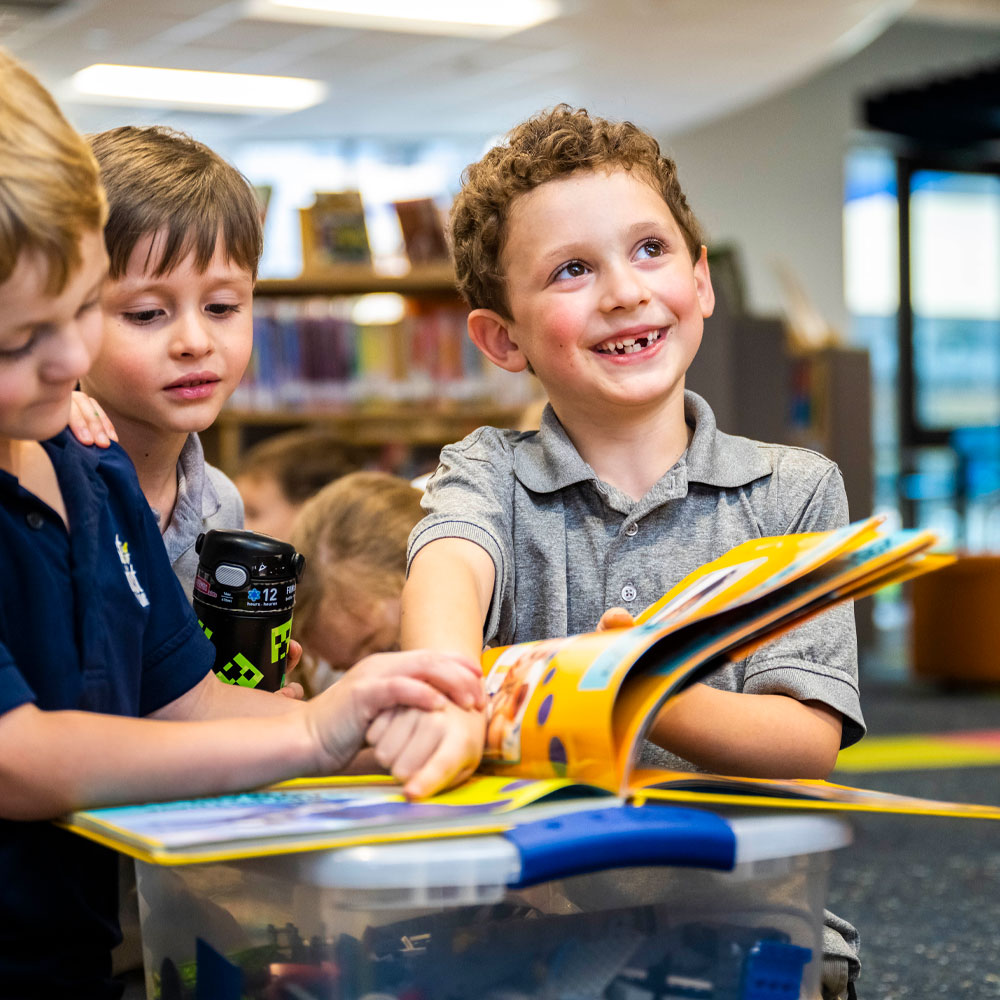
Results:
<point x="937" y="750"/>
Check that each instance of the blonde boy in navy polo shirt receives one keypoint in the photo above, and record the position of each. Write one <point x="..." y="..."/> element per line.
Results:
<point x="94" y="629"/>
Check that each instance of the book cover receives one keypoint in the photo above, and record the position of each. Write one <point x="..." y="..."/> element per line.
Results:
<point x="334" y="233"/>
<point x="423" y="232"/>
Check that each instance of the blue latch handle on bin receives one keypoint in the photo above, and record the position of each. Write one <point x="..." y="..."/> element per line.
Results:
<point x="622" y="837"/>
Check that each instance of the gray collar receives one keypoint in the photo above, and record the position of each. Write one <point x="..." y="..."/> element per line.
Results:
<point x="197" y="499"/>
<point x="546" y="460"/>
<point x="718" y="459"/>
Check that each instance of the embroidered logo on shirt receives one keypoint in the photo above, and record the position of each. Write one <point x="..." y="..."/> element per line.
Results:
<point x="133" y="580"/>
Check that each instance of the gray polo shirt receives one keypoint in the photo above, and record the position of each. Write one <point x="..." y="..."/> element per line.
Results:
<point x="206" y="498"/>
<point x="567" y="546"/>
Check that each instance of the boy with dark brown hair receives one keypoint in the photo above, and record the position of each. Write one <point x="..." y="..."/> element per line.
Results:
<point x="184" y="240"/>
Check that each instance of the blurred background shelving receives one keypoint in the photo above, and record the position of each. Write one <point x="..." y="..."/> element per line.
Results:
<point x="381" y="362"/>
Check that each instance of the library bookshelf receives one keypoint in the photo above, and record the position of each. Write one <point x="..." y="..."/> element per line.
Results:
<point x="413" y="383"/>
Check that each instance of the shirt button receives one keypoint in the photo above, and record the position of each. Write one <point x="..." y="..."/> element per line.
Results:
<point x="632" y="529"/>
<point x="35" y="520"/>
<point x="629" y="593"/>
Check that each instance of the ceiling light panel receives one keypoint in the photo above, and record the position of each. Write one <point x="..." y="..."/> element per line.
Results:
<point x="433" y="17"/>
<point x="183" y="88"/>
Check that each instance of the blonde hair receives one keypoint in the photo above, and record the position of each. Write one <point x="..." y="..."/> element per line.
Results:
<point x="353" y="534"/>
<point x="50" y="190"/>
<point x="159" y="179"/>
<point x="549" y="145"/>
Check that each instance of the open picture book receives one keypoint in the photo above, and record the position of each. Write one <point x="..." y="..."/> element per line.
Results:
<point x="567" y="718"/>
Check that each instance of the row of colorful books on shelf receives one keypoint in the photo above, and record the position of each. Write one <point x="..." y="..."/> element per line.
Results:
<point x="312" y="353"/>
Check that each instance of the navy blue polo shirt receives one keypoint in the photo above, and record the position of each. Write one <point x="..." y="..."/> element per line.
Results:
<point x="92" y="619"/>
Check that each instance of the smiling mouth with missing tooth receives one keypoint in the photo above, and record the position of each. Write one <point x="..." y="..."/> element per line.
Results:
<point x="628" y="345"/>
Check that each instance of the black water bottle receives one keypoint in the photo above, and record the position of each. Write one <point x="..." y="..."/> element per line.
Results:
<point x="244" y="592"/>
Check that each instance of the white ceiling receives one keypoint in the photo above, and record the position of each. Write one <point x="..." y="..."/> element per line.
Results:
<point x="669" y="64"/>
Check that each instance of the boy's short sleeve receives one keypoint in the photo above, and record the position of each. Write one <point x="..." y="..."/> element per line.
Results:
<point x="14" y="689"/>
<point x="176" y="655"/>
<point x="818" y="660"/>
<point x="470" y="496"/>
<point x="114" y="633"/>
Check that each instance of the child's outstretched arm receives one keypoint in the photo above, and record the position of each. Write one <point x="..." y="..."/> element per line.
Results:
<point x="753" y="735"/>
<point x="52" y="762"/>
<point x="444" y="606"/>
<point x="447" y="597"/>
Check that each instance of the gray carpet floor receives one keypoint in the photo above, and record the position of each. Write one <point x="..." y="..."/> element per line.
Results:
<point x="924" y="892"/>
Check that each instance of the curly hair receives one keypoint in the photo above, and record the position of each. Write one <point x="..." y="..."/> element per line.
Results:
<point x="549" y="145"/>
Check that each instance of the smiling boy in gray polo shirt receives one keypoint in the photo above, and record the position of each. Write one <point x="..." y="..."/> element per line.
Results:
<point x="581" y="261"/>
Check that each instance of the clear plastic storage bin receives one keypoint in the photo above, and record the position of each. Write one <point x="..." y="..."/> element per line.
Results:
<point x="626" y="903"/>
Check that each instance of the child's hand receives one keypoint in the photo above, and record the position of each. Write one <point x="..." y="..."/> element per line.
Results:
<point x="89" y="423"/>
<point x="292" y="689"/>
<point x="428" y="751"/>
<point x="339" y="717"/>
<point x="615" y="618"/>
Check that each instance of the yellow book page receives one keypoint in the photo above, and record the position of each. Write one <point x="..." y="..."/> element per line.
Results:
<point x="792" y="793"/>
<point x="550" y="705"/>
<point x="502" y="792"/>
<point x="912" y="567"/>
<point x="882" y="560"/>
<point x="927" y="562"/>
<point x="754" y="568"/>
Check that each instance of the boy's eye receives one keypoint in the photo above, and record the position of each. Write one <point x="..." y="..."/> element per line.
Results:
<point x="651" y="248"/>
<point x="571" y="269"/>
<point x="222" y="308"/>
<point x="143" y="316"/>
<point x="21" y="350"/>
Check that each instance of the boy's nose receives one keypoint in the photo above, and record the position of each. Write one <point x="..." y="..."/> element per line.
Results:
<point x="72" y="353"/>
<point x="623" y="288"/>
<point x="190" y="338"/>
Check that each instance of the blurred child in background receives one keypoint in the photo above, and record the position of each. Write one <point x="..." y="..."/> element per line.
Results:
<point x="353" y="534"/>
<point x="279" y="474"/>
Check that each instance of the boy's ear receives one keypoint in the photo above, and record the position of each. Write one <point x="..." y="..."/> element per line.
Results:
<point x="490" y="332"/>
<point x="703" y="284"/>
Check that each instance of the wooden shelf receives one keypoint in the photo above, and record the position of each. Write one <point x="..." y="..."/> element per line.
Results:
<point x="432" y="423"/>
<point x="438" y="281"/>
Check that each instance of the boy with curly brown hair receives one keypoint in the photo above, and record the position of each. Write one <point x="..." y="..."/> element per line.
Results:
<point x="581" y="260"/>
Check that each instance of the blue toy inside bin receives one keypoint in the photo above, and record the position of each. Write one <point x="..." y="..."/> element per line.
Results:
<point x="625" y="903"/>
